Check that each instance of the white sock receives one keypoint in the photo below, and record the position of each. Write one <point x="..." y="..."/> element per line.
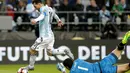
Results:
<point x="32" y="60"/>
<point x="58" y="51"/>
<point x="63" y="51"/>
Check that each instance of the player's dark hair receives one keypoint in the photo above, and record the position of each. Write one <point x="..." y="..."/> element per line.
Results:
<point x="68" y="63"/>
<point x="37" y="1"/>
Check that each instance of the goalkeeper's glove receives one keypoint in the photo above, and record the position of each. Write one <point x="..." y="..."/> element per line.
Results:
<point x="61" y="67"/>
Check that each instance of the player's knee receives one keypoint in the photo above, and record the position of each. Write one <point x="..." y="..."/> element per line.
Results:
<point x="32" y="52"/>
<point x="49" y="52"/>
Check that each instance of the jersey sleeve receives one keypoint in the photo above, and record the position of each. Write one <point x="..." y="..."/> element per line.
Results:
<point x="41" y="17"/>
<point x="43" y="11"/>
<point x="56" y="17"/>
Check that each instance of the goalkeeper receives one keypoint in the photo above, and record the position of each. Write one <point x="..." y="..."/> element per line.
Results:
<point x="106" y="65"/>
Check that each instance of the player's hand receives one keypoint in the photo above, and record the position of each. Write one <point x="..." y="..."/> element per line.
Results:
<point x="61" y="67"/>
<point x="33" y="21"/>
<point x="60" y="24"/>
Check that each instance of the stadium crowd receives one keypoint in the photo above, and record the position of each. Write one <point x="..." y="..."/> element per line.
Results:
<point x="74" y="12"/>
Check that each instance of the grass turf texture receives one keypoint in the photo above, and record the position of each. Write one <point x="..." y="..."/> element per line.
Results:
<point x="43" y="68"/>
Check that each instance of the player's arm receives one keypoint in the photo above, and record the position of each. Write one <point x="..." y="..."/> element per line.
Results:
<point x="61" y="67"/>
<point x="58" y="20"/>
<point x="41" y="17"/>
<point x="56" y="17"/>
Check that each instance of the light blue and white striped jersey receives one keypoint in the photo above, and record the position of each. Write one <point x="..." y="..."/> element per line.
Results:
<point x="45" y="24"/>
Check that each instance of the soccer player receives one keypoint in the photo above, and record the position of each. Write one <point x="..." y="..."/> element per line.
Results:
<point x="46" y="38"/>
<point x="104" y="66"/>
<point x="33" y="13"/>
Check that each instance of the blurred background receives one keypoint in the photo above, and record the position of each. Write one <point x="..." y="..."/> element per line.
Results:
<point x="92" y="29"/>
<point x="87" y="19"/>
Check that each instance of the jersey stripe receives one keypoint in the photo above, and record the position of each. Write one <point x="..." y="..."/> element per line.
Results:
<point x="82" y="68"/>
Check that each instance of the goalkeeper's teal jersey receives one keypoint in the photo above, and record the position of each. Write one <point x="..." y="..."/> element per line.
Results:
<point x="44" y="25"/>
<point x="106" y="65"/>
<point x="80" y="66"/>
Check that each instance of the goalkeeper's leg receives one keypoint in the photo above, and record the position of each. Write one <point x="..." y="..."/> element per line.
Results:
<point x="124" y="67"/>
<point x="120" y="47"/>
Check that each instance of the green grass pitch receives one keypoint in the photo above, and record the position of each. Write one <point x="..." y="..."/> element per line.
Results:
<point x="39" y="68"/>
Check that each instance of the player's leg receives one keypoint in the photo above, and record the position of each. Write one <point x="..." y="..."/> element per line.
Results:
<point x="107" y="62"/>
<point x="123" y="68"/>
<point x="113" y="57"/>
<point x="120" y="47"/>
<point x="32" y="59"/>
<point x="51" y="51"/>
<point x="33" y="52"/>
<point x="61" y="51"/>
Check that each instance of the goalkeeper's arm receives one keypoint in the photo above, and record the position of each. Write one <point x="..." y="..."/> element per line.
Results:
<point x="61" y="67"/>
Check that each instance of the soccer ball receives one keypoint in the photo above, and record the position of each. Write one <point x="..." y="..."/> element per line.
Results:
<point x="22" y="70"/>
